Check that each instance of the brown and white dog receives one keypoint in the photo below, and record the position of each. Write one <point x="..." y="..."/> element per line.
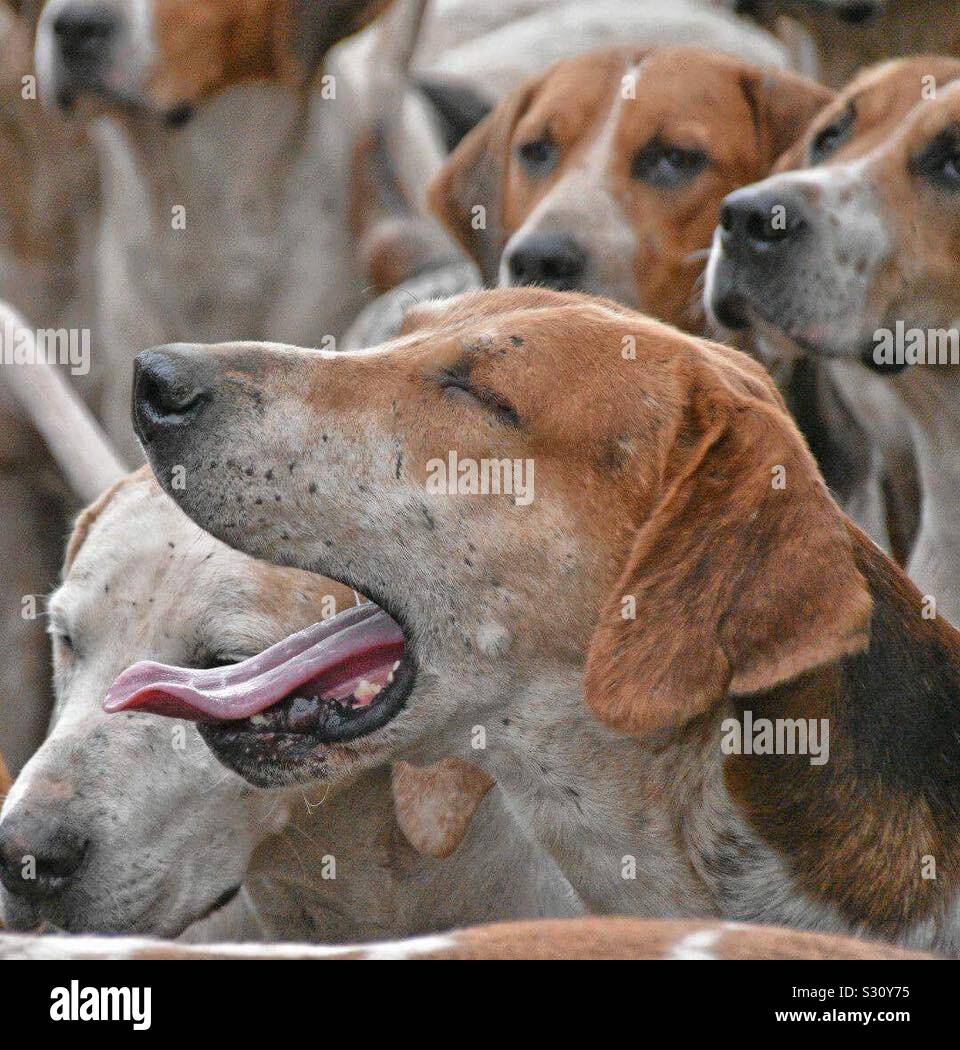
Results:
<point x="605" y="173"/>
<point x="869" y="244"/>
<point x="225" y="170"/>
<point x="134" y="827"/>
<point x="604" y="549"/>
<point x="579" y="939"/>
<point x="850" y="34"/>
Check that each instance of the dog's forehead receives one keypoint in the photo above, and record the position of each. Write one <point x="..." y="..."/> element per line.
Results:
<point x="882" y="98"/>
<point x="127" y="531"/>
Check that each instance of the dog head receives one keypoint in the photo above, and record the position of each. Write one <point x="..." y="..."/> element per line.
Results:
<point x="521" y="477"/>
<point x="605" y="174"/>
<point x="130" y="825"/>
<point x="860" y="229"/>
<point x="163" y="57"/>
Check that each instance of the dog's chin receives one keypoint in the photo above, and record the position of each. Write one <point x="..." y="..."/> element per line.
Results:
<point x="305" y="740"/>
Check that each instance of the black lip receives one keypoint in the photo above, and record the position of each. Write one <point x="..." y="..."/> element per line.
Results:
<point x="268" y="755"/>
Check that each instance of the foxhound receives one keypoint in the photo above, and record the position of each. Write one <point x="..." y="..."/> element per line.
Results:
<point x="610" y="575"/>
<point x="868" y="255"/>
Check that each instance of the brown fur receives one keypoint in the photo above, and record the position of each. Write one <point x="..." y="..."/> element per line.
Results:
<point x="207" y="45"/>
<point x="544" y="940"/>
<point x="435" y="805"/>
<point x="751" y="628"/>
<point x="905" y="27"/>
<point x="743" y="117"/>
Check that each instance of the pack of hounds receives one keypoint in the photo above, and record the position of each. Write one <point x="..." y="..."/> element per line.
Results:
<point x="489" y="475"/>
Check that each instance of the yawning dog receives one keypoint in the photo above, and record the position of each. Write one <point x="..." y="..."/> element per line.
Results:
<point x="671" y="569"/>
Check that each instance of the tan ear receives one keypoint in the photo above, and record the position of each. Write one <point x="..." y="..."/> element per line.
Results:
<point x="6" y="781"/>
<point x="315" y="26"/>
<point x="435" y="804"/>
<point x="742" y="576"/>
<point x="473" y="179"/>
<point x="783" y="104"/>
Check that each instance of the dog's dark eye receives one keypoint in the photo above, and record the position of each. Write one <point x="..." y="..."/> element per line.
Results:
<point x="668" y="167"/>
<point x="829" y="139"/>
<point x="940" y="161"/>
<point x="65" y="641"/>
<point x="488" y="399"/>
<point x="539" y="155"/>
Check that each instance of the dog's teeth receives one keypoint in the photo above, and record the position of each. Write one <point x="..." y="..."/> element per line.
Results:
<point x="396" y="665"/>
<point x="365" y="692"/>
<point x="389" y="677"/>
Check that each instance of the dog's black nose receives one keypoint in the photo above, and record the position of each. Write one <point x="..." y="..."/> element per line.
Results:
<point x="82" y="31"/>
<point x="171" y="387"/>
<point x="551" y="260"/>
<point x="754" y="220"/>
<point x="39" y="858"/>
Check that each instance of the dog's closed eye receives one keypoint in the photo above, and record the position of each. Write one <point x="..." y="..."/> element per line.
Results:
<point x="456" y="384"/>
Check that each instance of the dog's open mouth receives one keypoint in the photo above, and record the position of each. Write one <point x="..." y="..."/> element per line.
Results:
<point x="337" y="681"/>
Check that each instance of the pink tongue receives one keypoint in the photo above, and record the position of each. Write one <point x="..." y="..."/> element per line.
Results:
<point x="324" y="655"/>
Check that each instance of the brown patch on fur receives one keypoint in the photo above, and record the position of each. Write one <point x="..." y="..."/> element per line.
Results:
<point x="767" y="591"/>
<point x="435" y="804"/>
<point x="6" y="781"/>
<point x="207" y="45"/>
<point x="904" y="27"/>
<point x="625" y="939"/>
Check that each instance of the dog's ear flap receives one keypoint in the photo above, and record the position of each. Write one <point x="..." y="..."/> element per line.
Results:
<point x="743" y="576"/>
<point x="313" y="27"/>
<point x="435" y="804"/>
<point x="782" y="105"/>
<point x="467" y="193"/>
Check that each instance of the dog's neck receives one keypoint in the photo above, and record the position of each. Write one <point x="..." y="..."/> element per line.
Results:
<point x="931" y="396"/>
<point x="231" y="227"/>
<point x="594" y="800"/>
<point x="856" y="834"/>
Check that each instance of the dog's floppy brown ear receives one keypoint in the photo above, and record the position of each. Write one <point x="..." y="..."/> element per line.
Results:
<point x="435" y="804"/>
<point x="782" y="104"/>
<point x="743" y="574"/>
<point x="467" y="193"/>
<point x="315" y="26"/>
